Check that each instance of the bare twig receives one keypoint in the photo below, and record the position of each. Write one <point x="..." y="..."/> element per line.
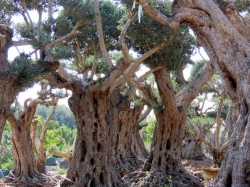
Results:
<point x="72" y="33"/>
<point x="100" y="34"/>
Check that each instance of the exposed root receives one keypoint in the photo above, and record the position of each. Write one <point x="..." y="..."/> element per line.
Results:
<point x="37" y="180"/>
<point x="131" y="164"/>
<point x="157" y="179"/>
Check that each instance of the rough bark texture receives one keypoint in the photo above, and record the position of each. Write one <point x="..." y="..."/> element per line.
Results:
<point x="25" y="168"/>
<point x="24" y="158"/>
<point x="225" y="36"/>
<point x="92" y="163"/>
<point x="8" y="88"/>
<point x="128" y="146"/>
<point x="165" y="153"/>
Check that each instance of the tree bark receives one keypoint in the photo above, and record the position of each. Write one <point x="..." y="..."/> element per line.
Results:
<point x="8" y="88"/>
<point x="230" y="56"/>
<point x="24" y="169"/>
<point x="165" y="152"/>
<point x="128" y="146"/>
<point x="92" y="163"/>
<point x="193" y="147"/>
<point x="225" y="36"/>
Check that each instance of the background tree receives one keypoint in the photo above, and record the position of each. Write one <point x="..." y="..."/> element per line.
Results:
<point x="63" y="115"/>
<point x="203" y="120"/>
<point x="29" y="169"/>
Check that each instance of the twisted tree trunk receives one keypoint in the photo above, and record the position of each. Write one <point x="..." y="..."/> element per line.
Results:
<point x="92" y="163"/>
<point x="224" y="34"/>
<point x="8" y="88"/>
<point x="166" y="148"/>
<point x="128" y="146"/>
<point x="24" y="169"/>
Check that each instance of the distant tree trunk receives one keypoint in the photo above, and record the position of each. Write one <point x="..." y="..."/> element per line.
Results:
<point x="192" y="148"/>
<point x="92" y="163"/>
<point x="8" y="88"/>
<point x="128" y="145"/>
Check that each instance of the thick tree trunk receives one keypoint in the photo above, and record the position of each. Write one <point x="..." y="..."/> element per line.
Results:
<point x="24" y="159"/>
<point x="128" y="146"/>
<point x="165" y="154"/>
<point x="92" y="163"/>
<point x="22" y="149"/>
<point x="8" y="89"/>
<point x="225" y="36"/>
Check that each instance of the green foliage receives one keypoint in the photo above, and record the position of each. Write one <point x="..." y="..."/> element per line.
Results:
<point x="145" y="35"/>
<point x="6" y="158"/>
<point x="102" y="66"/>
<point x="54" y="135"/>
<point x="243" y="6"/>
<point x="203" y="123"/>
<point x="8" y="164"/>
<point x="63" y="115"/>
<point x="177" y="87"/>
<point x="88" y="35"/>
<point x="25" y="72"/>
<point x="196" y="69"/>
<point x="61" y="171"/>
<point x="148" y="132"/>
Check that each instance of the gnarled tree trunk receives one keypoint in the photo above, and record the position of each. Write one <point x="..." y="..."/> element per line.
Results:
<point x="128" y="146"/>
<point x="92" y="163"/>
<point x="24" y="158"/>
<point x="8" y="88"/>
<point x="225" y="36"/>
<point x="166" y="148"/>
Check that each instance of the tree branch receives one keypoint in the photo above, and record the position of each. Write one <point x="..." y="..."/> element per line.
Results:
<point x="126" y="26"/>
<point x="218" y="122"/>
<point x="20" y="43"/>
<point x="100" y="34"/>
<point x="145" y="114"/>
<point x="189" y="92"/>
<point x="72" y="33"/>
<point x="46" y="122"/>
<point x="148" y="95"/>
<point x="140" y="79"/>
<point x="26" y="11"/>
<point x="155" y="14"/>
<point x="200" y="135"/>
<point x="134" y="67"/>
<point x="116" y="71"/>
<point x="93" y="72"/>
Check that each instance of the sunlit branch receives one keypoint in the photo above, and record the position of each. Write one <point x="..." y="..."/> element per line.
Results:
<point x="137" y="63"/>
<point x="140" y="80"/>
<point x="100" y="34"/>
